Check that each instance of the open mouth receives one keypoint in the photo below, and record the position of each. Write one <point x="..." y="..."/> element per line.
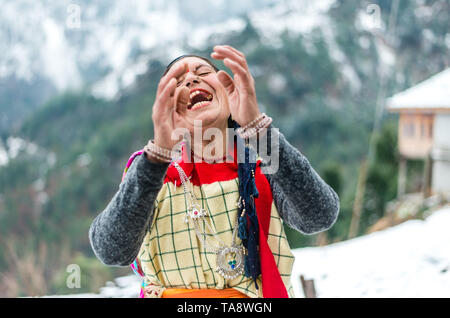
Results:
<point x="199" y="98"/>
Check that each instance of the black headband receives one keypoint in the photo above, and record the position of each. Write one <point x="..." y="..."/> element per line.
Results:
<point x="189" y="55"/>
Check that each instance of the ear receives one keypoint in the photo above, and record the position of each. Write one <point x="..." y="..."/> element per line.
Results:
<point x="226" y="81"/>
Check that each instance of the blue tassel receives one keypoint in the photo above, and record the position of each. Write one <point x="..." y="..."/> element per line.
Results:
<point x="254" y="191"/>
<point x="247" y="272"/>
<point x="242" y="231"/>
<point x="249" y="228"/>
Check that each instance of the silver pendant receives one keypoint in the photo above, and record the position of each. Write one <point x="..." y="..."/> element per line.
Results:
<point x="230" y="261"/>
<point x="195" y="212"/>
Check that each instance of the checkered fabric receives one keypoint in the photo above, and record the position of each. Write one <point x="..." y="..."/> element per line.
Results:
<point x="172" y="256"/>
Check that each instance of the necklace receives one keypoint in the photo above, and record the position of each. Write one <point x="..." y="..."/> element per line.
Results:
<point x="230" y="259"/>
<point x="209" y="159"/>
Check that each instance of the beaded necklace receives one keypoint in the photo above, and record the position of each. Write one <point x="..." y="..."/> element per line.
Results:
<point x="209" y="159"/>
<point x="230" y="259"/>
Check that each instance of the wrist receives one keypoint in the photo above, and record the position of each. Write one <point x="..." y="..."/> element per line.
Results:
<point x="252" y="120"/>
<point x="156" y="153"/>
<point x="257" y="126"/>
<point x="152" y="158"/>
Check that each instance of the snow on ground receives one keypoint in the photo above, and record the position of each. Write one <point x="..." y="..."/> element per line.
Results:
<point x="409" y="260"/>
<point x="122" y="287"/>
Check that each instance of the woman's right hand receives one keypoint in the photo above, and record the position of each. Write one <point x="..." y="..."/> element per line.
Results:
<point x="169" y="107"/>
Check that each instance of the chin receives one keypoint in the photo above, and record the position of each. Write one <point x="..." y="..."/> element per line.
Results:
<point x="212" y="117"/>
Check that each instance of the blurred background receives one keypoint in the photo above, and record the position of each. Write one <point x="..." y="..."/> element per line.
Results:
<point x="359" y="87"/>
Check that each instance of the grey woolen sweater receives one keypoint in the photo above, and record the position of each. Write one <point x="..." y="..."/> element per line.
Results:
<point x="304" y="201"/>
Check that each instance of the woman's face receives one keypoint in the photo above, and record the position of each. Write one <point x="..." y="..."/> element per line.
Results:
<point x="208" y="98"/>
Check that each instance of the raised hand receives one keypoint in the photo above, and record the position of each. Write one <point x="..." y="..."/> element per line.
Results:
<point x="241" y="90"/>
<point x="169" y="108"/>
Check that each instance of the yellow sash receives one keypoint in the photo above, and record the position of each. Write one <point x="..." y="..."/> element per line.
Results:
<point x="202" y="293"/>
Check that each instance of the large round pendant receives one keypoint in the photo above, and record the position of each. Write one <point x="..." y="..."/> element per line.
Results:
<point x="230" y="262"/>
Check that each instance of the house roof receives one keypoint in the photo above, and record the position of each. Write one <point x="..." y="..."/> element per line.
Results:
<point x="431" y="94"/>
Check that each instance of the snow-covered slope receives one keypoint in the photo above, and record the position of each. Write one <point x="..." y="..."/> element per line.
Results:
<point x="409" y="260"/>
<point x="122" y="287"/>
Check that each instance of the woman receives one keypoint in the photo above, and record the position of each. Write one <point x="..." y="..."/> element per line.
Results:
<point x="209" y="227"/>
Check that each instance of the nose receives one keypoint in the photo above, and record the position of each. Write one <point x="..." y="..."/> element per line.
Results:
<point x="191" y="79"/>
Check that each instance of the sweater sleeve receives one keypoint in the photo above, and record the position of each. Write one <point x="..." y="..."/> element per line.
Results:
<point x="116" y="234"/>
<point x="305" y="202"/>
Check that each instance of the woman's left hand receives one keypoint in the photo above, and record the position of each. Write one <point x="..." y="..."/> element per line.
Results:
<point x="241" y="91"/>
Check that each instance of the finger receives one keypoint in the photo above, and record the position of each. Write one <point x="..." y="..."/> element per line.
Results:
<point x="182" y="100"/>
<point x="217" y="56"/>
<point x="175" y="72"/>
<point x="166" y="96"/>
<point x="169" y="90"/>
<point x="236" y="68"/>
<point x="232" y="49"/>
<point x="235" y="50"/>
<point x="226" y="81"/>
<point x="231" y="54"/>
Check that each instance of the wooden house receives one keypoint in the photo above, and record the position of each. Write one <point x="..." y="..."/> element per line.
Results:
<point x="424" y="131"/>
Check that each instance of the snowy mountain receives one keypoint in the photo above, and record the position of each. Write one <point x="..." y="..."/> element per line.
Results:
<point x="49" y="47"/>
<point x="105" y="44"/>
<point x="73" y="43"/>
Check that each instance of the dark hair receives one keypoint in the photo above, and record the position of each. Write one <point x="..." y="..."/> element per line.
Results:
<point x="189" y="55"/>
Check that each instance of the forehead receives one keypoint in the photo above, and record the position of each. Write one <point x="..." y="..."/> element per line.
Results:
<point x="193" y="62"/>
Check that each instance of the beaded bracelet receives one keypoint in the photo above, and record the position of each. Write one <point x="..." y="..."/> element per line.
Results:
<point x="160" y="153"/>
<point x="251" y="124"/>
<point x="255" y="121"/>
<point x="156" y="156"/>
<point x="252" y="131"/>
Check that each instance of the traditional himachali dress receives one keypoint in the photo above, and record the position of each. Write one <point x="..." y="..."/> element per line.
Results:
<point x="144" y="224"/>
